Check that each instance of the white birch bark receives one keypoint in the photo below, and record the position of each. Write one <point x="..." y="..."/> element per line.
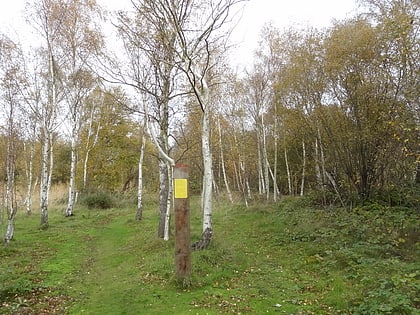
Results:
<point x="208" y="167"/>
<point x="318" y="167"/>
<point x="78" y="82"/>
<point x="48" y="115"/>
<point x="44" y="177"/>
<point x="245" y="184"/>
<point x="265" y="159"/>
<point x="72" y="183"/>
<point x="302" y="183"/>
<point x="275" y="186"/>
<point x="272" y="175"/>
<point x="198" y="40"/>
<point x="166" y="164"/>
<point x="289" y="176"/>
<point x="163" y="196"/>
<point x="165" y="169"/>
<point x="237" y="169"/>
<point x="222" y="159"/>
<point x="89" y="148"/>
<point x="248" y="188"/>
<point x="169" y="201"/>
<point x="29" y="176"/>
<point x="139" y="214"/>
<point x="334" y="183"/>
<point x="242" y="178"/>
<point x="46" y="101"/>
<point x="236" y="181"/>
<point x="261" y="182"/>
<point x="10" y="173"/>
<point x="216" y="190"/>
<point x="323" y="171"/>
<point x="10" y="202"/>
<point x="50" y="166"/>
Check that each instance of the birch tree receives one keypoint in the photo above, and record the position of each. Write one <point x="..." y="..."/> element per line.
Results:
<point x="242" y="154"/>
<point x="258" y="102"/>
<point x="139" y="213"/>
<point x="222" y="160"/>
<point x="30" y="143"/>
<point x="263" y="106"/>
<point x="81" y="38"/>
<point x="151" y="71"/>
<point x="31" y="90"/>
<point x="9" y="99"/>
<point x="46" y="17"/>
<point x="91" y="120"/>
<point x="199" y="35"/>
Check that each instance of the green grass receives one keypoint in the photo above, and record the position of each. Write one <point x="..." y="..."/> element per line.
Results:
<point x="273" y="259"/>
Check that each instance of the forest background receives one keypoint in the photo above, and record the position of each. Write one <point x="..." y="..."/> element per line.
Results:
<point x="332" y="111"/>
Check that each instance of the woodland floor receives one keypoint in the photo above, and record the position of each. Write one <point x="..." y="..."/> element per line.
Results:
<point x="288" y="258"/>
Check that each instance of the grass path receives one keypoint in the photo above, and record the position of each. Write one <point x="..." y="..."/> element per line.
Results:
<point x="108" y="270"/>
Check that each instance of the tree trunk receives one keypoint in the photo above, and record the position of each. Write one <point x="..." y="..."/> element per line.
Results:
<point x="10" y="187"/>
<point x="29" y="177"/>
<point x="216" y="190"/>
<point x="89" y="147"/>
<point x="302" y="183"/>
<point x="47" y="155"/>
<point x="72" y="183"/>
<point x="319" y="179"/>
<point x="208" y="169"/>
<point x="139" y="213"/>
<point x="244" y="184"/>
<point x="204" y="240"/>
<point x="223" y="162"/>
<point x="236" y="169"/>
<point x="289" y="176"/>
<point x="44" y="179"/>
<point x="163" y="196"/>
<point x="10" y="231"/>
<point x="275" y="186"/>
<point x="265" y="159"/>
<point x="168" y="202"/>
<point x="334" y="184"/>
<point x="261" y="182"/>
<point x="164" y="160"/>
<point x="237" y="177"/>
<point x="51" y="165"/>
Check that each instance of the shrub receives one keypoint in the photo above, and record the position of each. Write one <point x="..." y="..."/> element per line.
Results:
<point x="407" y="197"/>
<point x="100" y="200"/>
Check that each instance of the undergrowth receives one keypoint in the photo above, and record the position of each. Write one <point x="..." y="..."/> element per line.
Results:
<point x="286" y="258"/>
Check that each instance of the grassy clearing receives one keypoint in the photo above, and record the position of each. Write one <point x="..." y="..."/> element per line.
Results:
<point x="275" y="259"/>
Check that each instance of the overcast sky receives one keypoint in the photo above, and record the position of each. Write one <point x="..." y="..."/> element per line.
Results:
<point x="282" y="13"/>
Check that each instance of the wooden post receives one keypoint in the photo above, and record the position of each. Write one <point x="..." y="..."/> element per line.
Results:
<point x="182" y="225"/>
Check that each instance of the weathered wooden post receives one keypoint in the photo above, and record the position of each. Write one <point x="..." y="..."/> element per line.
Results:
<point x="182" y="225"/>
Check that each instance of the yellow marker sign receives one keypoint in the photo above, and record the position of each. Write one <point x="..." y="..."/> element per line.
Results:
<point x="181" y="188"/>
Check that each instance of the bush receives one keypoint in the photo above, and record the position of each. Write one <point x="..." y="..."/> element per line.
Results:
<point x="100" y="200"/>
<point x="407" y="197"/>
<point x="322" y="199"/>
